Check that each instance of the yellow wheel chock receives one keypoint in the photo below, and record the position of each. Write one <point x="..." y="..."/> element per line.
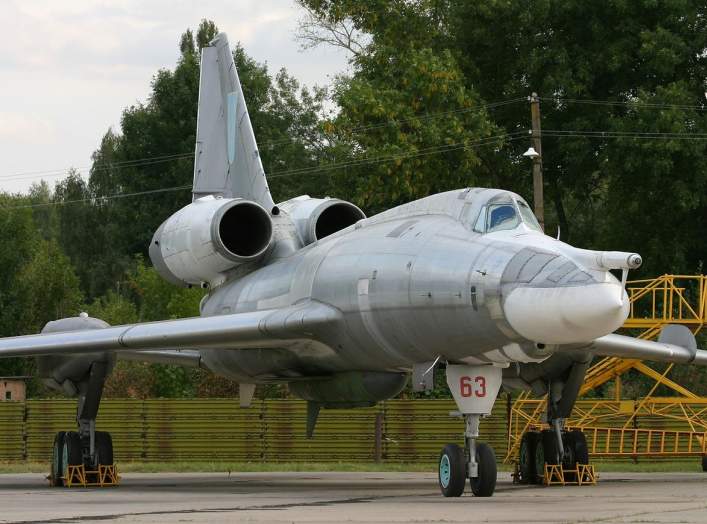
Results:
<point x="581" y="475"/>
<point x="104" y="476"/>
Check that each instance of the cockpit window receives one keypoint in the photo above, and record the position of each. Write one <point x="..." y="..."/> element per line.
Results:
<point x="501" y="217"/>
<point x="502" y="213"/>
<point x="528" y="216"/>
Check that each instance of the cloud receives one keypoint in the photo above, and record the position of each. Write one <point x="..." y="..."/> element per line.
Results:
<point x="69" y="68"/>
<point x="24" y="128"/>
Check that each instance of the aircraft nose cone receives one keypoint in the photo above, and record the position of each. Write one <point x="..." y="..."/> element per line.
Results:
<point x="566" y="314"/>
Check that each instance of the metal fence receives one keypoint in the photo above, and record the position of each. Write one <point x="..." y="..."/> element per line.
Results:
<point x="269" y="431"/>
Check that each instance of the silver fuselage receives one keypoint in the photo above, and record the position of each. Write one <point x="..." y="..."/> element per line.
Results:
<point x="412" y="284"/>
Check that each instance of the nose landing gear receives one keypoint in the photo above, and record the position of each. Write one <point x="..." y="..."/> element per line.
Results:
<point x="474" y="389"/>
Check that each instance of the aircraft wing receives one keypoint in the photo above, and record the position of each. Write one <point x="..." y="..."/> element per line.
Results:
<point x="675" y="344"/>
<point x="258" y="329"/>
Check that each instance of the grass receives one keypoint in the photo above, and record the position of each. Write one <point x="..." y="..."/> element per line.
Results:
<point x="426" y="467"/>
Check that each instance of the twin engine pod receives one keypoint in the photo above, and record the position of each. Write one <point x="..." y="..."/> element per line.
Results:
<point x="201" y="242"/>
<point x="210" y="236"/>
<point x="316" y="218"/>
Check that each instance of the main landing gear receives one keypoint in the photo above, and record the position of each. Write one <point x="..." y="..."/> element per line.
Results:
<point x="541" y="448"/>
<point x="86" y="447"/>
<point x="474" y="389"/>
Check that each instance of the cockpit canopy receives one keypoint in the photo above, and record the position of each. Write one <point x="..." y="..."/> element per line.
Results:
<point x="504" y="212"/>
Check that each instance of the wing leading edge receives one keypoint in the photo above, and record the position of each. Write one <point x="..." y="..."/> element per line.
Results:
<point x="675" y="344"/>
<point x="258" y="329"/>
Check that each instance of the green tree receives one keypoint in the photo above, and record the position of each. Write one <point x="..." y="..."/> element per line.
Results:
<point x="613" y="66"/>
<point x="411" y="109"/>
<point x="37" y="283"/>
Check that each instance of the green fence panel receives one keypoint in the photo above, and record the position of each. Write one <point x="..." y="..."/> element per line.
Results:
<point x="416" y="430"/>
<point x="340" y="435"/>
<point x="269" y="431"/>
<point x="12" y="425"/>
<point x="209" y="429"/>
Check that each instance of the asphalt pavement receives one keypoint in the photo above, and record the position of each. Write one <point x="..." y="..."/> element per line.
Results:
<point x="351" y="497"/>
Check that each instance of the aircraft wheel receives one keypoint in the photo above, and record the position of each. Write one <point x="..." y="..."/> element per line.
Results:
<point x="526" y="457"/>
<point x="546" y="452"/>
<point x="485" y="484"/>
<point x="576" y="443"/>
<point x="452" y="471"/>
<point x="71" y="452"/>
<point x="704" y="463"/>
<point x="57" y="463"/>
<point x="104" y="448"/>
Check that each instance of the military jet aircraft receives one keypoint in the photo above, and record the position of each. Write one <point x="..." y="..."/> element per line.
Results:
<point x="343" y="308"/>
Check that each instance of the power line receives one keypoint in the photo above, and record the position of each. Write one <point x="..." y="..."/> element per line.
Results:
<point x="630" y="103"/>
<point x="309" y="171"/>
<point x="400" y="156"/>
<point x="444" y="148"/>
<point x="168" y="158"/>
<point x="146" y="162"/>
<point x="625" y="134"/>
<point x="98" y="198"/>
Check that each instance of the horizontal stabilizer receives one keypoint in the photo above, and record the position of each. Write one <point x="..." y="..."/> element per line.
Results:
<point x="257" y="329"/>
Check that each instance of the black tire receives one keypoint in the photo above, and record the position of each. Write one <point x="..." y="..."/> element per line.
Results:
<point x="576" y="443"/>
<point x="104" y="448"/>
<point x="57" y="463"/>
<point x="72" y="455"/>
<point x="452" y="471"/>
<point x="704" y="463"/>
<point x="526" y="457"/>
<point x="485" y="484"/>
<point x="546" y="452"/>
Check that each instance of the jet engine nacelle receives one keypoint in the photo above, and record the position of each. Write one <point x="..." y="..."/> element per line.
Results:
<point x="210" y="236"/>
<point x="316" y="218"/>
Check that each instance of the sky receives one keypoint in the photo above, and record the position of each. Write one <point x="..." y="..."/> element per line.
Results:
<point x="68" y="69"/>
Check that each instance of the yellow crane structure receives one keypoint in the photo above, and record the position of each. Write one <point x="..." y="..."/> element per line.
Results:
<point x="674" y="426"/>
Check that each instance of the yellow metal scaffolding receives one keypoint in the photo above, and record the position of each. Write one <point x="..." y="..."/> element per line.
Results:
<point x="611" y="425"/>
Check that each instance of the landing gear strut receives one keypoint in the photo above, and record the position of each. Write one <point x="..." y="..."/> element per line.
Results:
<point x="85" y="447"/>
<point x="474" y="389"/>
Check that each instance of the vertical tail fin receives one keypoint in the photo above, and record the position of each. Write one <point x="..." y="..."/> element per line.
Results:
<point x="227" y="161"/>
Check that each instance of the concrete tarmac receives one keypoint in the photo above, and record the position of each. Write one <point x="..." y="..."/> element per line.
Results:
<point x="351" y="497"/>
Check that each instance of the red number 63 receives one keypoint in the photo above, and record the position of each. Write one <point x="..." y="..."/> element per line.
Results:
<point x="472" y="388"/>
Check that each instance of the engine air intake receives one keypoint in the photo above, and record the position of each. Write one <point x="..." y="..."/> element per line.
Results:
<point x="335" y="217"/>
<point x="202" y="241"/>
<point x="244" y="229"/>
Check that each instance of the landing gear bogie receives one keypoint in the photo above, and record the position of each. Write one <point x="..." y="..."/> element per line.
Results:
<point x="538" y="449"/>
<point x="70" y="449"/>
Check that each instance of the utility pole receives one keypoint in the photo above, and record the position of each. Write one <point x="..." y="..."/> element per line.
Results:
<point x="537" y="160"/>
